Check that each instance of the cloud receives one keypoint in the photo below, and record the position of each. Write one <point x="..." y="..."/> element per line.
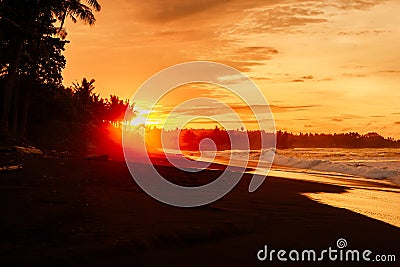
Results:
<point x="231" y="79"/>
<point x="225" y="121"/>
<point x="354" y="75"/>
<point x="170" y="10"/>
<point x="357" y="4"/>
<point x="282" y="108"/>
<point x="357" y="33"/>
<point x="279" y="13"/>
<point x="308" y="77"/>
<point x="345" y="117"/>
<point x="244" y="58"/>
<point x="243" y="66"/>
<point x="302" y="79"/>
<point x="274" y="108"/>
<point x="255" y="53"/>
<point x="261" y="78"/>
<point x="353" y="66"/>
<point x="277" y="18"/>
<point x="258" y="50"/>
<point x="231" y="54"/>
<point x="397" y="122"/>
<point x="326" y="79"/>
<point x="210" y="110"/>
<point x="390" y="71"/>
<point x="210" y="30"/>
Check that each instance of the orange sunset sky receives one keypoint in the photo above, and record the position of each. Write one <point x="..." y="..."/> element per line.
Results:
<point x="324" y="66"/>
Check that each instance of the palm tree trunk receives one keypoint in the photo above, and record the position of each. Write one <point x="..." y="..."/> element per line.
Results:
<point x="25" y="103"/>
<point x="9" y="87"/>
<point x="15" y="108"/>
<point x="18" y="44"/>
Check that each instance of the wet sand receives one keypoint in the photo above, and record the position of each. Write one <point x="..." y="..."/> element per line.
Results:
<point x="91" y="213"/>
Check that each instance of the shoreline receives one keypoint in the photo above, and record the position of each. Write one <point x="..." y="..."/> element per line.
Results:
<point x="375" y="198"/>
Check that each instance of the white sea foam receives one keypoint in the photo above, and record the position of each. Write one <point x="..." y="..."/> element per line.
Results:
<point x="368" y="163"/>
<point x="382" y="164"/>
<point x="356" y="169"/>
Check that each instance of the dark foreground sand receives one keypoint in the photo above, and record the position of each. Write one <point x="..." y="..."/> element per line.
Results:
<point x="92" y="213"/>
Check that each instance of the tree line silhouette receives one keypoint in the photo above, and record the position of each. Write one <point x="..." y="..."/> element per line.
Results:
<point x="189" y="139"/>
<point x="339" y="140"/>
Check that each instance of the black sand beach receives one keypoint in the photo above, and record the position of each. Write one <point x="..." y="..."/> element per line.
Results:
<point x="91" y="213"/>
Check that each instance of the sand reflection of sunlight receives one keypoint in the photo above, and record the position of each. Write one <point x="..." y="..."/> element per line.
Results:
<point x="378" y="204"/>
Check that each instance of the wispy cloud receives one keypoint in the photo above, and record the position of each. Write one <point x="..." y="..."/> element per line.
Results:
<point x="242" y="58"/>
<point x="390" y="71"/>
<point x="302" y="79"/>
<point x="170" y="10"/>
<point x="357" y="4"/>
<point x="209" y="110"/>
<point x="357" y="33"/>
<point x="283" y="108"/>
<point x="277" y="18"/>
<point x="354" y="75"/>
<point x="326" y="79"/>
<point x="345" y="117"/>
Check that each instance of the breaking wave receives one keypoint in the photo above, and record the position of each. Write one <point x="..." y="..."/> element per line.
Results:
<point x="351" y="168"/>
<point x="373" y="164"/>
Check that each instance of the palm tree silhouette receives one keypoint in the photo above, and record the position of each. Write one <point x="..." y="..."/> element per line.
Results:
<point x="19" y="17"/>
<point x="119" y="110"/>
<point x="83" y="93"/>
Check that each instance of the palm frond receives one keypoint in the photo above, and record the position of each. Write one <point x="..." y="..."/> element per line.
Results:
<point x="81" y="11"/>
<point x="71" y="16"/>
<point x="94" y="4"/>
